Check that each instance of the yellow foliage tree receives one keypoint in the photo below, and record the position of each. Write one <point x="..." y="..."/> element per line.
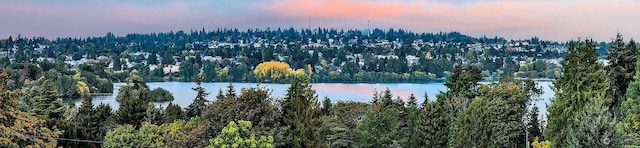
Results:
<point x="272" y="70"/>
<point x="83" y="88"/>
<point x="540" y="144"/>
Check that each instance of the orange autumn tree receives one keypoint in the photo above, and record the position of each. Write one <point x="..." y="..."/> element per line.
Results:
<point x="272" y="71"/>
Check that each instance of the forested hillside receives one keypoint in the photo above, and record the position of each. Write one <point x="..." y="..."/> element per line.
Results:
<point x="595" y="103"/>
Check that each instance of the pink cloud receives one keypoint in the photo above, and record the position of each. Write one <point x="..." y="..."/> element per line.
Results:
<point x="547" y="19"/>
<point x="557" y="20"/>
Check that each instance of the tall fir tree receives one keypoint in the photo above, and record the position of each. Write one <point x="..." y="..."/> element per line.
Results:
<point x="583" y="80"/>
<point x="433" y="123"/>
<point x="621" y="69"/>
<point x="383" y="125"/>
<point x="47" y="103"/>
<point x="301" y="113"/>
<point x="199" y="103"/>
<point x="105" y="114"/>
<point x="134" y="99"/>
<point x="86" y="119"/>
<point x="411" y="121"/>
<point x="631" y="108"/>
<point x="534" y="130"/>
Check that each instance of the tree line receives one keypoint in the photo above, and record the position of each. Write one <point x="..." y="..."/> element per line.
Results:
<point x="187" y="50"/>
<point x="595" y="105"/>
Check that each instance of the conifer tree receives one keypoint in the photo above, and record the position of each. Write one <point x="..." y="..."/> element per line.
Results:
<point x="134" y="100"/>
<point x="583" y="80"/>
<point x="87" y="119"/>
<point x="594" y="127"/>
<point x="48" y="103"/>
<point x="631" y="108"/>
<point x="195" y="109"/>
<point x="382" y="126"/>
<point x="533" y="125"/>
<point x="154" y="115"/>
<point x="433" y="124"/>
<point x="172" y="113"/>
<point x="621" y="69"/>
<point x="301" y="113"/>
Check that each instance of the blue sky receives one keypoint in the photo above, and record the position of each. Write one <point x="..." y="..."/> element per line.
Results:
<point x="517" y="19"/>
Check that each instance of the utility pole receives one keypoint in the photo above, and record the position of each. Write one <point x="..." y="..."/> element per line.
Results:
<point x="369" y="27"/>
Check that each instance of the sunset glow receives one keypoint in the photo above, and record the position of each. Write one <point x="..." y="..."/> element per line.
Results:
<point x="552" y="20"/>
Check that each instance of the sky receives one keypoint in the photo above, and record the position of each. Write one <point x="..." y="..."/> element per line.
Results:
<point x="559" y="20"/>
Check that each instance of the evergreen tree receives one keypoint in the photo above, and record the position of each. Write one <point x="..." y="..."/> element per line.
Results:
<point x="462" y="85"/>
<point x="48" y="103"/>
<point x="253" y="104"/>
<point x="154" y="115"/>
<point x="631" y="108"/>
<point x="134" y="100"/>
<point x="172" y="113"/>
<point x="382" y="126"/>
<point x="152" y="58"/>
<point x="594" y="127"/>
<point x="198" y="105"/>
<point x="621" y="69"/>
<point x="411" y="126"/>
<point x="105" y="114"/>
<point x="533" y="125"/>
<point x="117" y="63"/>
<point x="433" y="123"/>
<point x="301" y="113"/>
<point x="583" y="80"/>
<point x="326" y="106"/>
<point x="87" y="119"/>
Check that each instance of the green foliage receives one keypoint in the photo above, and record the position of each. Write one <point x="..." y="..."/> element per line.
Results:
<point x="240" y="135"/>
<point x="534" y="127"/>
<point x="48" y="103"/>
<point x="594" y="127"/>
<point x="326" y="106"/>
<point x="631" y="123"/>
<point x="175" y="134"/>
<point x="105" y="114"/>
<point x="382" y="126"/>
<point x="253" y="104"/>
<point x="86" y="120"/>
<point x="433" y="124"/>
<point x="198" y="105"/>
<point x="463" y="83"/>
<point x="620" y="71"/>
<point x="154" y="115"/>
<point x="301" y="113"/>
<point x="495" y="119"/>
<point x="134" y="101"/>
<point x="583" y="80"/>
<point x="17" y="128"/>
<point x="411" y="126"/>
<point x="474" y="125"/>
<point x="173" y="112"/>
<point x="152" y="58"/>
<point x="188" y="70"/>
<point x="161" y="95"/>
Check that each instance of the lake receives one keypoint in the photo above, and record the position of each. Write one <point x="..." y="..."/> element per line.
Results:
<point x="363" y="92"/>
